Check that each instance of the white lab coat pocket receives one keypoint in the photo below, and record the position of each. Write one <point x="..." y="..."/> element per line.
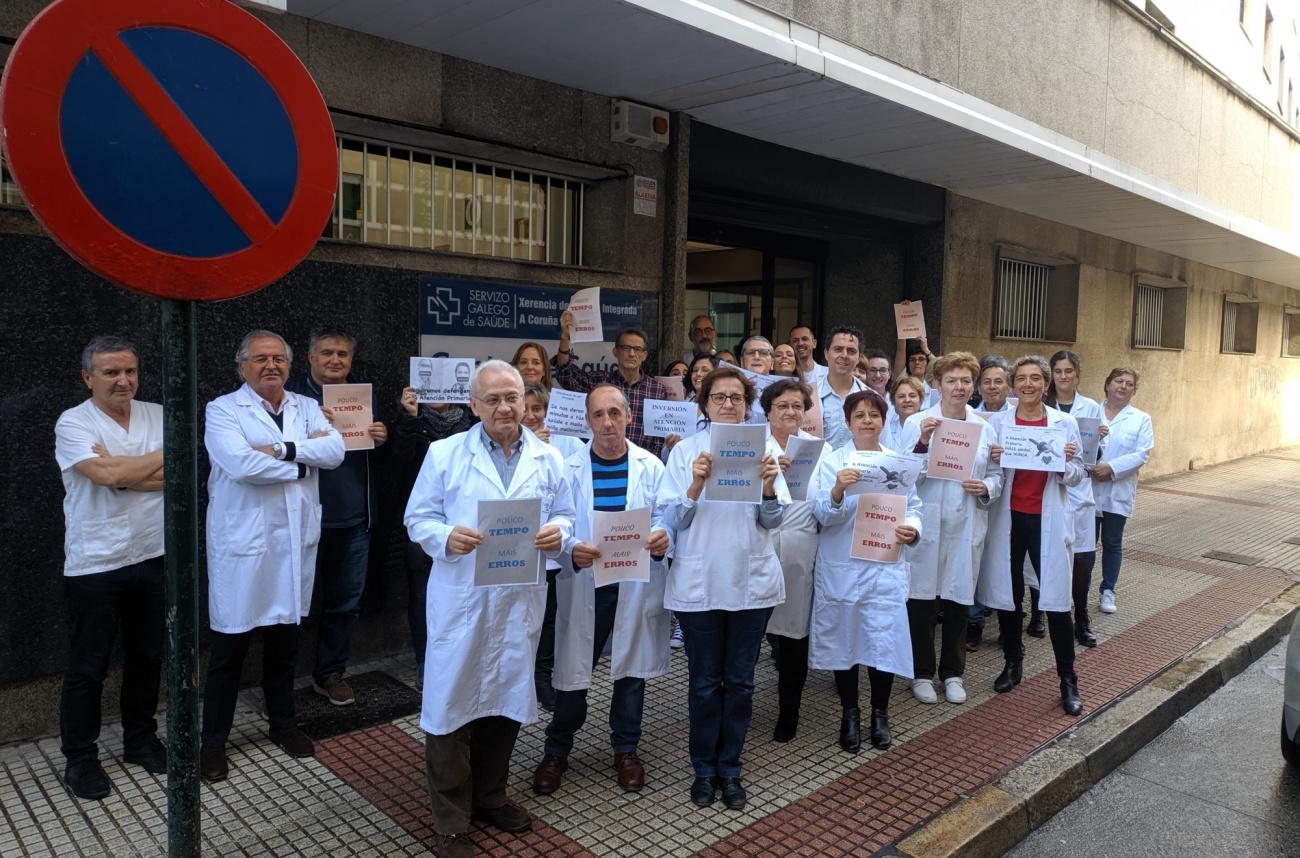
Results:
<point x="311" y="514"/>
<point x="686" y="579"/>
<point x="447" y="615"/>
<point x="104" y="539"/>
<point x="837" y="582"/>
<point x="765" y="581"/>
<point x="244" y="534"/>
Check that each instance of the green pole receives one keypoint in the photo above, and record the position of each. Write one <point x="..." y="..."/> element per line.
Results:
<point x="180" y="444"/>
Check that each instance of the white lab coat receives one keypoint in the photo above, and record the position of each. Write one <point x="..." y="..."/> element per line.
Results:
<point x="945" y="562"/>
<point x="639" y="642"/>
<point x="859" y="612"/>
<point x="482" y="640"/>
<point x="796" y="548"/>
<point x="1056" y="563"/>
<point x="1082" y="501"/>
<point x="263" y="523"/>
<point x="1127" y="448"/>
<point x="723" y="559"/>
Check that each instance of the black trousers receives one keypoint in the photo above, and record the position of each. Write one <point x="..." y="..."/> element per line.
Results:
<point x="846" y="683"/>
<point x="467" y="769"/>
<point x="225" y="664"/>
<point x="544" y="662"/>
<point x="132" y="596"/>
<point x="921" y="615"/>
<point x="1026" y="538"/>
<point x="1084" y="562"/>
<point x="791" y="673"/>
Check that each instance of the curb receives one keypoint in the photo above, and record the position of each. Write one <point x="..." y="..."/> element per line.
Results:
<point x="1001" y="814"/>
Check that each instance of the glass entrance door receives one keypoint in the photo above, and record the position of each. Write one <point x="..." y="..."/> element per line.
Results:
<point x="748" y="291"/>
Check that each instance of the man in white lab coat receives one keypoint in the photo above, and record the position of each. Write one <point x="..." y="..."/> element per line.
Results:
<point x="109" y="450"/>
<point x="266" y="446"/>
<point x="610" y="475"/>
<point x="478" y="679"/>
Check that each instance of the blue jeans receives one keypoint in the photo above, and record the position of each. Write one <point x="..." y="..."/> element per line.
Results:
<point x="1110" y="533"/>
<point x="721" y="648"/>
<point x="625" y="707"/>
<point x="341" y="560"/>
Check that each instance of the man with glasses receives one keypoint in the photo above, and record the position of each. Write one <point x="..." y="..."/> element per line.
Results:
<point x="805" y="346"/>
<point x="703" y="338"/>
<point x="479" y="688"/>
<point x="630" y="350"/>
<point x="842" y="357"/>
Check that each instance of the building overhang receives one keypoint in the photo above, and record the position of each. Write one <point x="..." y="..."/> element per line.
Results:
<point x="757" y="73"/>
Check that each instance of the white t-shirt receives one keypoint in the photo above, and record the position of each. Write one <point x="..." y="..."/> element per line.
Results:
<point x="107" y="528"/>
<point x="815" y="376"/>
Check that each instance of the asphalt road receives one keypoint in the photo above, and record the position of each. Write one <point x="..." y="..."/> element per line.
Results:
<point x="1214" y="784"/>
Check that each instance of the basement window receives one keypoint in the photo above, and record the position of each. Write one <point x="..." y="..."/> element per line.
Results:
<point x="1240" y="325"/>
<point x="1159" y="315"/>
<point x="1036" y="300"/>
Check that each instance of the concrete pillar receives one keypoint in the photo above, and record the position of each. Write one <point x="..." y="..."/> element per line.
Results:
<point x="675" y="196"/>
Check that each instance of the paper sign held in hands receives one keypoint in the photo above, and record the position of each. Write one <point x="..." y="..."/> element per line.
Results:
<point x="883" y="473"/>
<point x="587" y="325"/>
<point x="1032" y="448"/>
<point x="910" y="320"/>
<point x="441" y="379"/>
<point x="663" y="418"/>
<point x="507" y="555"/>
<point x="674" y="385"/>
<point x="567" y="413"/>
<point x="621" y="539"/>
<point x="873" y="527"/>
<point x="952" y="450"/>
<point x="1090" y="435"/>
<point x="803" y="454"/>
<point x="736" y="472"/>
<point x="812" y="418"/>
<point x="350" y="404"/>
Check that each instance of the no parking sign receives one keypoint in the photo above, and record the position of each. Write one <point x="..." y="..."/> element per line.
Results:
<point x="175" y="147"/>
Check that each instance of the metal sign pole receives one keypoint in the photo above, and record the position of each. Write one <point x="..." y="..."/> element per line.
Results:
<point x="180" y="442"/>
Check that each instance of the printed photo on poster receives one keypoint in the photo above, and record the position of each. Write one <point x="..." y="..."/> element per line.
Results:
<point x="953" y="447"/>
<point x="883" y="473"/>
<point x="736" y="473"/>
<point x="1032" y="448"/>
<point x="441" y="380"/>
<point x="507" y="556"/>
<point x="350" y="404"/>
<point x="873" y="527"/>
<point x="804" y="454"/>
<point x="621" y="539"/>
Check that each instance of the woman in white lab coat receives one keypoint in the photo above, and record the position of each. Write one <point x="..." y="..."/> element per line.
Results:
<point x="859" y="613"/>
<point x="785" y="403"/>
<point x="1063" y="395"/>
<point x="945" y="563"/>
<point x="907" y="394"/>
<point x="1128" y="442"/>
<point x="724" y="581"/>
<point x="1033" y="517"/>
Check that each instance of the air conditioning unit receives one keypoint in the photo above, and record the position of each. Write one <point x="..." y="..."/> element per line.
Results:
<point x="638" y="125"/>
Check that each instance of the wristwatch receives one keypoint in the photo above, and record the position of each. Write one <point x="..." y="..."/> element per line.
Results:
<point x="278" y="449"/>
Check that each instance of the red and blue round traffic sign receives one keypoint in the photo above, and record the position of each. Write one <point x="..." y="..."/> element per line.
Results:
<point x="175" y="147"/>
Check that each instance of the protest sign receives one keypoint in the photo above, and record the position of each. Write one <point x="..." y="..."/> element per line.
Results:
<point x="350" y="404"/>
<point x="735" y="474"/>
<point x="1032" y="448"/>
<point x="674" y="385"/>
<point x="803" y="454"/>
<point x="507" y="554"/>
<point x="587" y="325"/>
<point x="441" y="379"/>
<point x="663" y="418"/>
<point x="952" y="450"/>
<point x="621" y="539"/>
<point x="909" y="320"/>
<point x="873" y="527"/>
<point x="1090" y="434"/>
<point x="567" y="413"/>
<point x="883" y="473"/>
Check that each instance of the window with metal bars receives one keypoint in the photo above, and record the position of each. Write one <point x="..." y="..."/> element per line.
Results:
<point x="1035" y="299"/>
<point x="407" y="197"/>
<point x="1291" y="332"/>
<point x="1159" y="315"/>
<point x="1240" y="324"/>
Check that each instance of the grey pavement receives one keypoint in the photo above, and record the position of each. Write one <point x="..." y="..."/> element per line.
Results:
<point x="1213" y="784"/>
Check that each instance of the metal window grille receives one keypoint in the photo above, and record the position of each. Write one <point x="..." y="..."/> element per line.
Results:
<point x="1022" y="299"/>
<point x="1229" y="342"/>
<point x="438" y="201"/>
<point x="1150" y="314"/>
<point x="1291" y="334"/>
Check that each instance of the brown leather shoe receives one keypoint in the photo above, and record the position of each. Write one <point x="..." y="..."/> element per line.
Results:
<point x="631" y="774"/>
<point x="453" y="846"/>
<point x="509" y="817"/>
<point x="550" y="771"/>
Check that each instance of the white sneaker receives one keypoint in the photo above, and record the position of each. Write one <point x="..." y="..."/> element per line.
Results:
<point x="923" y="690"/>
<point x="954" y="690"/>
<point x="1107" y="602"/>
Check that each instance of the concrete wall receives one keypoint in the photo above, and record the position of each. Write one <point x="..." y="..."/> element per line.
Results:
<point x="1114" y="84"/>
<point x="1207" y="407"/>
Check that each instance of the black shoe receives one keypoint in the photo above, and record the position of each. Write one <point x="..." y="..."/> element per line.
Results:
<point x="1083" y="633"/>
<point x="733" y="794"/>
<point x="786" y="727"/>
<point x="86" y="779"/>
<point x="212" y="764"/>
<point x="880" y="737"/>
<point x="152" y="757"/>
<point x="1070" y="700"/>
<point x="294" y="742"/>
<point x="704" y="791"/>
<point x="851" y="730"/>
<point x="546" y="696"/>
<point x="974" y="634"/>
<point x="509" y="817"/>
<point x="1037" y="628"/>
<point x="1010" y="676"/>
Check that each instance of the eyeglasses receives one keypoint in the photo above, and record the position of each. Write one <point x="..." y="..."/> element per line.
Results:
<point x="263" y="360"/>
<point x="723" y="398"/>
<point x="632" y="350"/>
<point x="704" y="330"/>
<point x="494" y="402"/>
<point x="759" y="352"/>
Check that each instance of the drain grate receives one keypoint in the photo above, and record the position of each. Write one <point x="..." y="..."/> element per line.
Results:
<point x="380" y="699"/>
<point x="1229" y="557"/>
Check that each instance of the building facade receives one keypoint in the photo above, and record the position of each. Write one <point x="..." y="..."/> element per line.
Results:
<point x="1109" y="177"/>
